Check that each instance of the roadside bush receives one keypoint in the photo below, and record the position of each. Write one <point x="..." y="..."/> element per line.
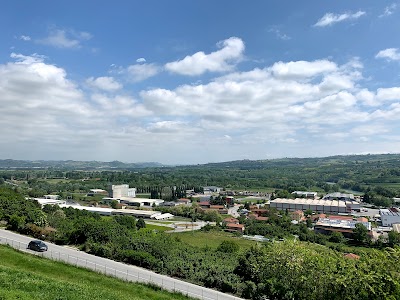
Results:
<point x="228" y="247"/>
<point x="140" y="258"/>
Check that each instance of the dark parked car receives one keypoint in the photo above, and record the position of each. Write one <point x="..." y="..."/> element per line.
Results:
<point x="37" y="246"/>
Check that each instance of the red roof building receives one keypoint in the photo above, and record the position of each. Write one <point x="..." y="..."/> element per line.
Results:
<point x="231" y="220"/>
<point x="204" y="204"/>
<point x="235" y="227"/>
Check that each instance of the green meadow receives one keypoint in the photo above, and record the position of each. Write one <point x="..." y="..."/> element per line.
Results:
<point x="25" y="276"/>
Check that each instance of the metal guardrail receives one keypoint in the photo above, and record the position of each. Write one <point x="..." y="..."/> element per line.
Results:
<point x="170" y="284"/>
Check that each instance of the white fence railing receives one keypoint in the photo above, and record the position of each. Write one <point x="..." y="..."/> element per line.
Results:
<point x="171" y="284"/>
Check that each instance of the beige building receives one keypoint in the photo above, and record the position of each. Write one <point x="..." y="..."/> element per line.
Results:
<point x="122" y="190"/>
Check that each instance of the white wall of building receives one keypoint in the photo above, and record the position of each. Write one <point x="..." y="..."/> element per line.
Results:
<point x="123" y="190"/>
<point x="388" y="217"/>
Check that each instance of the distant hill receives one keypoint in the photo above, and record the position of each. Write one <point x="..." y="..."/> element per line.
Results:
<point x="247" y="164"/>
<point x="390" y="159"/>
<point x="73" y="165"/>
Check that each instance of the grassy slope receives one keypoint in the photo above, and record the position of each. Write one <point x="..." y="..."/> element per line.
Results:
<point x="158" y="227"/>
<point x="24" y="276"/>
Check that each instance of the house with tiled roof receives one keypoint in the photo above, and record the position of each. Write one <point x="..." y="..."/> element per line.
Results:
<point x="231" y="221"/>
<point x="235" y="227"/>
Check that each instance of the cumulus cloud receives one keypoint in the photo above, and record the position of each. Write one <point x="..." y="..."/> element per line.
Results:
<point x="140" y="72"/>
<point x="230" y="52"/>
<point x="381" y="96"/>
<point x="261" y="98"/>
<point x="104" y="83"/>
<point x="141" y="60"/>
<point x="49" y="114"/>
<point x="302" y="69"/>
<point x="40" y="93"/>
<point x="120" y="106"/>
<point x="60" y="38"/>
<point x="283" y="105"/>
<point x="331" y="18"/>
<point x="389" y="54"/>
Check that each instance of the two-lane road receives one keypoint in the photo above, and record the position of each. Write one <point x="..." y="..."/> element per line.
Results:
<point x="113" y="268"/>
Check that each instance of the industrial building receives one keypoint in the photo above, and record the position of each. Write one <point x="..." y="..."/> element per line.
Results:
<point x="45" y="201"/>
<point x="346" y="227"/>
<point x="316" y="205"/>
<point x="138" y="202"/>
<point x="311" y="195"/>
<point x="93" y="192"/>
<point x="339" y="196"/>
<point x="390" y="216"/>
<point x="122" y="190"/>
<point x="127" y="212"/>
<point x="211" y="189"/>
<point x="125" y="195"/>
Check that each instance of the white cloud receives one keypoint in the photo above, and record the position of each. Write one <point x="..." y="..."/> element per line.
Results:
<point x="65" y="38"/>
<point x="389" y="54"/>
<point x="40" y="93"/>
<point x="140" y="72"/>
<point x="389" y="10"/>
<point x="369" y="129"/>
<point x="330" y="18"/>
<point x="219" y="61"/>
<point x="279" y="34"/>
<point x="27" y="59"/>
<point x="388" y="94"/>
<point x="167" y="126"/>
<point x="25" y="38"/>
<point x="141" y="60"/>
<point x="120" y="106"/>
<point x="104" y="83"/>
<point x="302" y="69"/>
<point x="280" y="107"/>
<point x="50" y="115"/>
<point x="379" y="97"/>
<point x="316" y="92"/>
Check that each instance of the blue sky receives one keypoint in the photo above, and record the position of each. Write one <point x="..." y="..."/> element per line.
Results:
<point x="182" y="82"/>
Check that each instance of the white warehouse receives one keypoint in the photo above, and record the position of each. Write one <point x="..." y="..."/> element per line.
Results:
<point x="390" y="216"/>
<point x="319" y="206"/>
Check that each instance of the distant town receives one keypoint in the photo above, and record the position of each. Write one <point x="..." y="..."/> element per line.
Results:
<point x="233" y="217"/>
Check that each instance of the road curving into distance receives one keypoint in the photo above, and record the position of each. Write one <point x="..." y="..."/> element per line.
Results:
<point x="113" y="268"/>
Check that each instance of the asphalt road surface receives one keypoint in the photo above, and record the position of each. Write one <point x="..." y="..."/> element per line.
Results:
<point x="113" y="268"/>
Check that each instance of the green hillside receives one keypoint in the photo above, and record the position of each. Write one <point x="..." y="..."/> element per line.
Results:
<point x="24" y="276"/>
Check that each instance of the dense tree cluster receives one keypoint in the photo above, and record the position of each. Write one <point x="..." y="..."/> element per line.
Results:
<point x="293" y="270"/>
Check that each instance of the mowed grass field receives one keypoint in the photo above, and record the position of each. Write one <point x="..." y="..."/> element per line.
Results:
<point x="25" y="276"/>
<point x="158" y="227"/>
<point x="212" y="239"/>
